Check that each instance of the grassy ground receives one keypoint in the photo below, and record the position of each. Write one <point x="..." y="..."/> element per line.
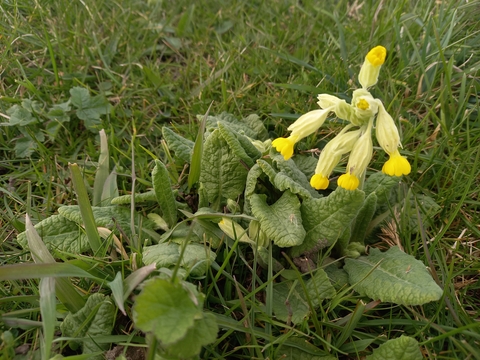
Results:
<point x="165" y="62"/>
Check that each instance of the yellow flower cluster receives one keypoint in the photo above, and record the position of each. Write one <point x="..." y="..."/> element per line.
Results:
<point x="364" y="112"/>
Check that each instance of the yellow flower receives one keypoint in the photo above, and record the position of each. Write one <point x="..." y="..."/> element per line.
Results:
<point x="359" y="158"/>
<point x="348" y="181"/>
<point x="319" y="182"/>
<point x="397" y="165"/>
<point x="370" y="70"/>
<point x="305" y="125"/>
<point x="386" y="131"/>
<point x="285" y="146"/>
<point x="331" y="156"/>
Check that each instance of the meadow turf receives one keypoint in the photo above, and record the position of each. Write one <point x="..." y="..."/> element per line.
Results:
<point x="164" y="62"/>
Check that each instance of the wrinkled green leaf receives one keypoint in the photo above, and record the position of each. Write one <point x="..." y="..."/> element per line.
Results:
<point x="196" y="258"/>
<point x="381" y="184"/>
<point x="290" y="302"/>
<point x="282" y="221"/>
<point x="297" y="178"/>
<point x="233" y="142"/>
<point x="398" y="278"/>
<point x="402" y="348"/>
<point x="139" y="198"/>
<point x="96" y="318"/>
<point x="328" y="218"/>
<point x="59" y="233"/>
<point x="164" y="193"/>
<point x="182" y="147"/>
<point x="305" y="164"/>
<point x="338" y="277"/>
<point x="250" y="126"/>
<point x="204" y="331"/>
<point x="24" y="147"/>
<point x="107" y="216"/>
<point x="222" y="173"/>
<point x="250" y="185"/>
<point x="165" y="309"/>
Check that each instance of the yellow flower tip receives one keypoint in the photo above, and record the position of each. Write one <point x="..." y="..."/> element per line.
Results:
<point x="284" y="146"/>
<point x="397" y="165"/>
<point x="319" y="182"/>
<point x="377" y="55"/>
<point x="363" y="104"/>
<point x="348" y="181"/>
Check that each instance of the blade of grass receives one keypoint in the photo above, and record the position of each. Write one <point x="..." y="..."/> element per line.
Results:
<point x="196" y="163"/>
<point x="48" y="311"/>
<point x="102" y="172"/>
<point x="85" y="209"/>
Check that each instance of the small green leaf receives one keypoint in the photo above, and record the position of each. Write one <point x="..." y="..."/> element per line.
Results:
<point x="95" y="319"/>
<point x="290" y="177"/>
<point x="165" y="309"/>
<point x="197" y="155"/>
<point x="392" y="276"/>
<point x="319" y="287"/>
<point x="289" y="305"/>
<point x="19" y="116"/>
<point x="282" y="221"/>
<point x="234" y="144"/>
<point x="182" y="147"/>
<point x="250" y="126"/>
<point x="222" y="173"/>
<point x="328" y="218"/>
<point x="24" y="147"/>
<point x="196" y="258"/>
<point x="381" y="184"/>
<point x="251" y="184"/>
<point x="89" y="109"/>
<point x="164" y="193"/>
<point x="117" y="291"/>
<point x="402" y="348"/>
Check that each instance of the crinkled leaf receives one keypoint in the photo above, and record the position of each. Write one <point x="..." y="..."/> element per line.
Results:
<point x="398" y="278"/>
<point x="290" y="304"/>
<point x="165" y="309"/>
<point x="95" y="319"/>
<point x="59" y="112"/>
<point x="402" y="348"/>
<point x="164" y="193"/>
<point x="250" y="126"/>
<point x="109" y="216"/>
<point x="222" y="174"/>
<point x="294" y="178"/>
<point x="59" y="233"/>
<point x="300" y="349"/>
<point x="139" y="198"/>
<point x="282" y="222"/>
<point x="203" y="332"/>
<point x="182" y="147"/>
<point x="196" y="258"/>
<point x="207" y="232"/>
<point x="365" y="215"/>
<point x="319" y="287"/>
<point x="306" y="164"/>
<point x="234" y="144"/>
<point x="328" y="218"/>
<point x="250" y="185"/>
<point x="381" y="184"/>
<point x="338" y="277"/>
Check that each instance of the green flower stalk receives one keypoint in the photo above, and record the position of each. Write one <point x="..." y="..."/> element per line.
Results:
<point x="364" y="112"/>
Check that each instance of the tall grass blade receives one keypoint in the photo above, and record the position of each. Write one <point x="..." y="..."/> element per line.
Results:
<point x="48" y="307"/>
<point x="196" y="164"/>
<point x="85" y="208"/>
<point x="102" y="172"/>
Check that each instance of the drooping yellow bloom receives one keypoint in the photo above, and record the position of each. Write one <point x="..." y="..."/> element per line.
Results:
<point x="331" y="155"/>
<point x="285" y="146"/>
<point x="370" y="70"/>
<point x="397" y="165"/>
<point x="363" y="112"/>
<point x="305" y="125"/>
<point x="359" y="159"/>
<point x="348" y="181"/>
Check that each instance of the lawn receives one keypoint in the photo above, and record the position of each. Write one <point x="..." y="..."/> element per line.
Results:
<point x="133" y="226"/>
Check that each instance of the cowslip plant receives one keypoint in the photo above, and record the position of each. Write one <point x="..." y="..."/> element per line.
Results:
<point x="356" y="137"/>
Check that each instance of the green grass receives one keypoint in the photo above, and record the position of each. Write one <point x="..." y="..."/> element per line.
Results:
<point x="163" y="63"/>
